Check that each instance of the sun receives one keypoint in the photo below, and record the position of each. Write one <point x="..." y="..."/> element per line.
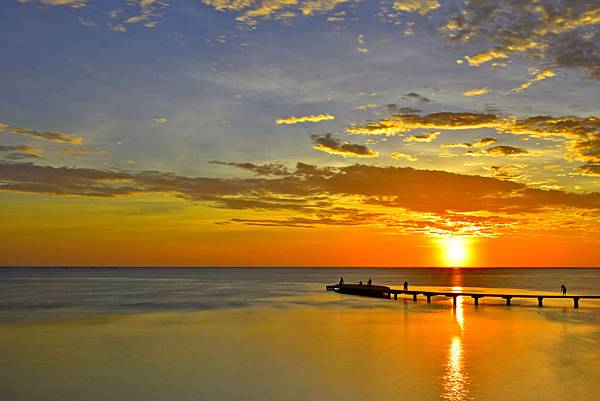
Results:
<point x="455" y="251"/>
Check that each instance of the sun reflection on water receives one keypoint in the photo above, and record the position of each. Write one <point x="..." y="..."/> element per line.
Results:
<point x="455" y="383"/>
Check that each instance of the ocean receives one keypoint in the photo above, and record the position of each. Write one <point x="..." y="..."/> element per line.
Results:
<point x="275" y="334"/>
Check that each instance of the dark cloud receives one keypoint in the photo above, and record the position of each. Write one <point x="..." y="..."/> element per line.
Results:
<point x="505" y="151"/>
<point x="415" y="97"/>
<point x="589" y="169"/>
<point x="22" y="156"/>
<point x="263" y="169"/>
<point x="329" y="144"/>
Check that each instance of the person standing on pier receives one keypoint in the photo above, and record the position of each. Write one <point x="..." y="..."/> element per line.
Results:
<point x="370" y="281"/>
<point x="563" y="289"/>
<point x="406" y="286"/>
<point x="341" y="281"/>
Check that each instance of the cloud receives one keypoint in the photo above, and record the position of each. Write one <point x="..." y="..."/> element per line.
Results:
<point x="45" y="136"/>
<point x="401" y="123"/>
<point x="366" y="106"/>
<point x="479" y="143"/>
<point x="507" y="171"/>
<point x="66" y="3"/>
<point x="251" y="11"/>
<point x="393" y="198"/>
<point x="21" y="149"/>
<point x="476" y="92"/>
<point x="538" y="76"/>
<point x="425" y="137"/>
<point x="23" y="156"/>
<point x="270" y="169"/>
<point x="398" y="155"/>
<point x="415" y="97"/>
<point x="83" y="151"/>
<point x="422" y="6"/>
<point x="589" y="169"/>
<point x="582" y="134"/>
<point x="305" y="119"/>
<point x="331" y="145"/>
<point x="555" y="34"/>
<point x="160" y="120"/>
<point x="505" y="151"/>
<point x="395" y="109"/>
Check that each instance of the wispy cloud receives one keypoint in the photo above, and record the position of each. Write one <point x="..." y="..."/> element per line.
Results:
<point x="45" y="136"/>
<point x="476" y="92"/>
<point x="537" y="76"/>
<point x="304" y="119"/>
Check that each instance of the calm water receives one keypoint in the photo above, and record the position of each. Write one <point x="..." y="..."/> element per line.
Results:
<point x="275" y="334"/>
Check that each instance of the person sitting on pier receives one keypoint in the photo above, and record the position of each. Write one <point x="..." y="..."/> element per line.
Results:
<point x="563" y="289"/>
<point x="341" y="281"/>
<point x="406" y="286"/>
<point x="370" y="281"/>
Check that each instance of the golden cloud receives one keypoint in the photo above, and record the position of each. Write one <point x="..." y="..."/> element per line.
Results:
<point x="304" y="119"/>
<point x="538" y="76"/>
<point x="476" y="92"/>
<point x="66" y="3"/>
<point x="581" y="133"/>
<point x="45" y="136"/>
<point x="398" y="155"/>
<point x="422" y="6"/>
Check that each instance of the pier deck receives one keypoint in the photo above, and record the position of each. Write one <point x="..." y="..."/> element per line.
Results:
<point x="380" y="291"/>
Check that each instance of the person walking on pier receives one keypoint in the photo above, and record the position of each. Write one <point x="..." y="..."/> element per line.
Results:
<point x="563" y="289"/>
<point x="406" y="286"/>
<point x="370" y="281"/>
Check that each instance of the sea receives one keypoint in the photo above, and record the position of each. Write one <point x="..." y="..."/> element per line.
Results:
<point x="276" y="334"/>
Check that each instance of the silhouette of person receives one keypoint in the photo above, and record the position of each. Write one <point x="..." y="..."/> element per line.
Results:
<point x="370" y="281"/>
<point x="563" y="289"/>
<point x="360" y="282"/>
<point x="406" y="286"/>
<point x="341" y="281"/>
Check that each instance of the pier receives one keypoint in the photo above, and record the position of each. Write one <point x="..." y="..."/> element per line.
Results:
<point x="380" y="291"/>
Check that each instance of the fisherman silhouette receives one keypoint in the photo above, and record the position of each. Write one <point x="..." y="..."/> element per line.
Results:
<point x="360" y="282"/>
<point x="341" y="281"/>
<point x="406" y="286"/>
<point x="370" y="281"/>
<point x="563" y="290"/>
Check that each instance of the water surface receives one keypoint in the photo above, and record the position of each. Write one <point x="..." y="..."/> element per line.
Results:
<point x="275" y="334"/>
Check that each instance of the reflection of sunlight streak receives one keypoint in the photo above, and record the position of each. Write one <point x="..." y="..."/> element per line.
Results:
<point x="458" y="310"/>
<point x="455" y="381"/>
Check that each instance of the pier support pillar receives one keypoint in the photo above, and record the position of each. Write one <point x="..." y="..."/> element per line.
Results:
<point x="540" y="301"/>
<point x="508" y="300"/>
<point x="428" y="299"/>
<point x="415" y="297"/>
<point x="395" y="295"/>
<point x="476" y="300"/>
<point x="454" y="301"/>
<point x="576" y="302"/>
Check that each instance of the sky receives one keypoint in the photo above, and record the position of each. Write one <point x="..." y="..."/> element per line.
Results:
<point x="300" y="133"/>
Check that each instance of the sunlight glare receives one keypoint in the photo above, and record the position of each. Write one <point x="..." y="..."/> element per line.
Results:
<point x="455" y="251"/>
